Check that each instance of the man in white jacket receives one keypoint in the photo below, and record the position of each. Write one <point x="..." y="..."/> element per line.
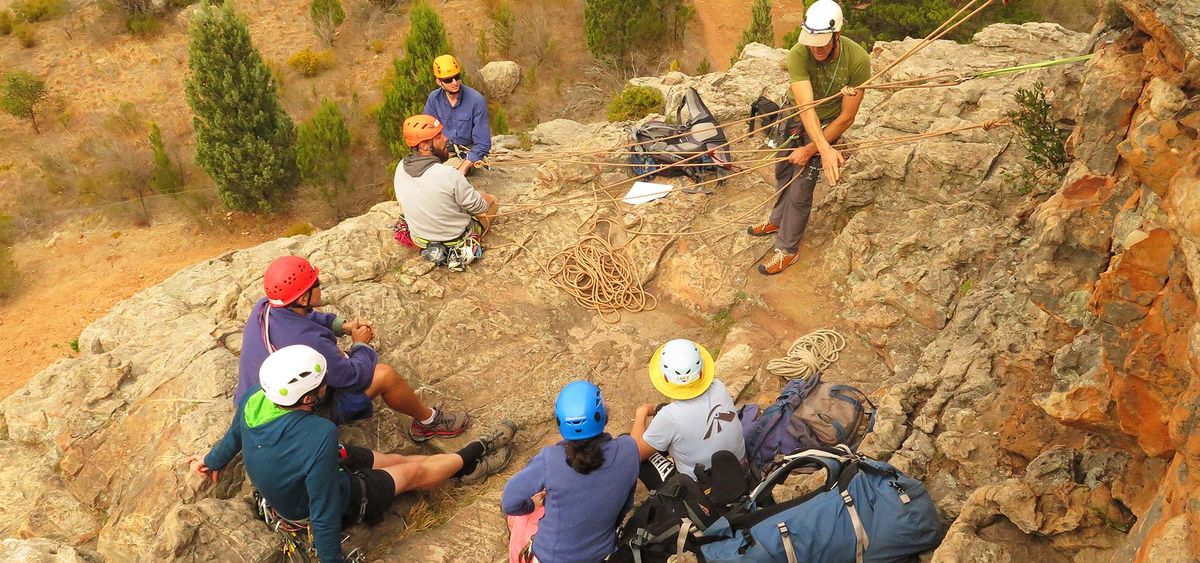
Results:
<point x="440" y="205"/>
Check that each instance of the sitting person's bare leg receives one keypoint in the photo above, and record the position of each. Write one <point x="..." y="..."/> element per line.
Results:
<point x="399" y="395"/>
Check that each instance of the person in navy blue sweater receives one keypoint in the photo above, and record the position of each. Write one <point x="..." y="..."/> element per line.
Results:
<point x="286" y="316"/>
<point x="586" y="482"/>
<point x="294" y="460"/>
<point x="463" y="112"/>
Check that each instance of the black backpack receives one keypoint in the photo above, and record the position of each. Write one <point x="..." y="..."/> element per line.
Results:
<point x="661" y="144"/>
<point x="674" y="517"/>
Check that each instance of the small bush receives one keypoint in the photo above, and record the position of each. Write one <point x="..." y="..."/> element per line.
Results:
<point x="301" y="228"/>
<point x="499" y="122"/>
<point x="525" y="140"/>
<point x="1043" y="140"/>
<point x="6" y="22"/>
<point x="503" y="27"/>
<point x="311" y="63"/>
<point x="39" y="10"/>
<point x="25" y="34"/>
<point x="635" y="102"/>
<point x="143" y="25"/>
<point x="9" y="277"/>
<point x="20" y="95"/>
<point x="326" y="16"/>
<point x="378" y="46"/>
<point x="704" y="67"/>
<point x="168" y="176"/>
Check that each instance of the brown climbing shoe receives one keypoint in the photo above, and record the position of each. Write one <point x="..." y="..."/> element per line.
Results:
<point x="776" y="262"/>
<point x="489" y="464"/>
<point x="500" y="437"/>
<point x="762" y="230"/>
<point x="446" y="425"/>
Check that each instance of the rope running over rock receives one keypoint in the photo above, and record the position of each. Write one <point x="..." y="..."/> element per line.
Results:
<point x="809" y="354"/>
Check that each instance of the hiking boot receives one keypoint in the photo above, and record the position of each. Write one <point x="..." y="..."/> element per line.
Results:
<point x="762" y="229"/>
<point x="489" y="464"/>
<point x="500" y="437"/>
<point x="447" y="424"/>
<point x="776" y="262"/>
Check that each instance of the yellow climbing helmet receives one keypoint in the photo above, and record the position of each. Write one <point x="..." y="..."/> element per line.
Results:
<point x="681" y="369"/>
<point x="446" y="66"/>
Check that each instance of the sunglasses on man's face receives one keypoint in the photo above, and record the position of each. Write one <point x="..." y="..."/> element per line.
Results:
<point x="451" y="79"/>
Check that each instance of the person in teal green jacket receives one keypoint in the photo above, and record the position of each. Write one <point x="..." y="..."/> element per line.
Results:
<point x="293" y="457"/>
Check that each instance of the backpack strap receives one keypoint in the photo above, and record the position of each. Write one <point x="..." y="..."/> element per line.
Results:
<point x="860" y="532"/>
<point x="789" y="549"/>
<point x="685" y="526"/>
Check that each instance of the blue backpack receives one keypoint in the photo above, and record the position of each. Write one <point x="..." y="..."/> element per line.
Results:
<point x="866" y="511"/>
<point x="808" y="414"/>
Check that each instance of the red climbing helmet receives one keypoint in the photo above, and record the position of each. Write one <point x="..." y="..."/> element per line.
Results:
<point x="288" y="278"/>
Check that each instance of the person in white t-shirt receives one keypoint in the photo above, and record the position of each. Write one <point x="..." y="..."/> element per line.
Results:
<point x="700" y="421"/>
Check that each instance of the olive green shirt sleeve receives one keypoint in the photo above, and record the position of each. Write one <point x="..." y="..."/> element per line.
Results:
<point x="797" y="63"/>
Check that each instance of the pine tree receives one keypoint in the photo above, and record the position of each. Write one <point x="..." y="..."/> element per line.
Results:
<point x="245" y="140"/>
<point x="614" y="29"/>
<point x="322" y="153"/>
<point x="326" y="16"/>
<point x="761" y="29"/>
<point x="168" y="177"/>
<point x="20" y="94"/>
<point x="411" y="80"/>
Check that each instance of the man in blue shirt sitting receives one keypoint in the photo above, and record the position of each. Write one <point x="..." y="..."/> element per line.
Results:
<point x="294" y="460"/>
<point x="463" y="113"/>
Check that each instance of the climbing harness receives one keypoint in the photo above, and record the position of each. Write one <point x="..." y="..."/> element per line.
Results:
<point x="809" y="354"/>
<point x="298" y="545"/>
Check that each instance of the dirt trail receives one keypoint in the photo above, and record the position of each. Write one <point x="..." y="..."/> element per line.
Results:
<point x="79" y="278"/>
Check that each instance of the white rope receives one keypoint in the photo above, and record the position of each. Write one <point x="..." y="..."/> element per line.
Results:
<point x="809" y="354"/>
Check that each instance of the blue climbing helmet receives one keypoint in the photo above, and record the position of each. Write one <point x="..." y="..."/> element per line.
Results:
<point x="580" y="411"/>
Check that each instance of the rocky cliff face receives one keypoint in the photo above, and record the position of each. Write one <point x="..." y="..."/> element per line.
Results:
<point x="1033" y="354"/>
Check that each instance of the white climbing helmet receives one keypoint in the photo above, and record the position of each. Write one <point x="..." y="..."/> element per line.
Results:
<point x="681" y="369"/>
<point x="290" y="372"/>
<point x="821" y="21"/>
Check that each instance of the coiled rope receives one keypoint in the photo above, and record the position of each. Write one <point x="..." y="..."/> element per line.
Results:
<point x="809" y="354"/>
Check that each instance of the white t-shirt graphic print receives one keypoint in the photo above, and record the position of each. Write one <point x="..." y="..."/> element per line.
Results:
<point x="692" y="430"/>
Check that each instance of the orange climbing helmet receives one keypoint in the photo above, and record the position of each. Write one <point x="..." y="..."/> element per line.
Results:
<point x="446" y="66"/>
<point x="421" y="128"/>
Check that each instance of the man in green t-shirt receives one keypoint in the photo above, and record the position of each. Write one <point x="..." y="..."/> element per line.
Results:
<point x="820" y="65"/>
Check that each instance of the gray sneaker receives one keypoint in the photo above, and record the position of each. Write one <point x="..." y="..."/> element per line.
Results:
<point x="489" y="464"/>
<point x="447" y="425"/>
<point x="500" y="437"/>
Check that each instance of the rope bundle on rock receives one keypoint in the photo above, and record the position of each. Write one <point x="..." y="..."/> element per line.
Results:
<point x="601" y="276"/>
<point x="809" y="354"/>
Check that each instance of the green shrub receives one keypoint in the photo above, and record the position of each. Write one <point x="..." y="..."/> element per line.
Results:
<point x="322" y="153"/>
<point x="143" y="25"/>
<point x="326" y="16"/>
<point x="25" y="34"/>
<point x="20" y="94"/>
<point x="301" y="228"/>
<point x="1043" y="140"/>
<point x="9" y="276"/>
<point x="614" y="29"/>
<point x="168" y="176"/>
<point x="499" y="122"/>
<point x="635" y="102"/>
<point x="39" y="10"/>
<point x="503" y="27"/>
<point x="761" y="30"/>
<point x="704" y="67"/>
<point x="6" y="22"/>
<point x="245" y="140"/>
<point x="311" y="63"/>
<point x="411" y="79"/>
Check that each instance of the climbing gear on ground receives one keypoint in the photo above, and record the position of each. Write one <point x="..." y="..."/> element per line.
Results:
<point x="681" y="369"/>
<point x="298" y="543"/>
<point x="579" y="411"/>
<point x="287" y="279"/>
<point x="672" y="520"/>
<point x="446" y="66"/>
<point x="601" y="276"/>
<point x="821" y="21"/>
<point x="447" y="424"/>
<point x="490" y="464"/>
<point x="776" y="262"/>
<point x="866" y="510"/>
<point x="809" y="354"/>
<point x="455" y="254"/>
<point x="290" y="372"/>
<point x="762" y="229"/>
<point x="436" y="252"/>
<point x="661" y="145"/>
<point x="403" y="234"/>
<point x="809" y="413"/>
<point x="419" y="128"/>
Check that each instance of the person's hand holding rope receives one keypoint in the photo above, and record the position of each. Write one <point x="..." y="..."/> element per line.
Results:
<point x="802" y="154"/>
